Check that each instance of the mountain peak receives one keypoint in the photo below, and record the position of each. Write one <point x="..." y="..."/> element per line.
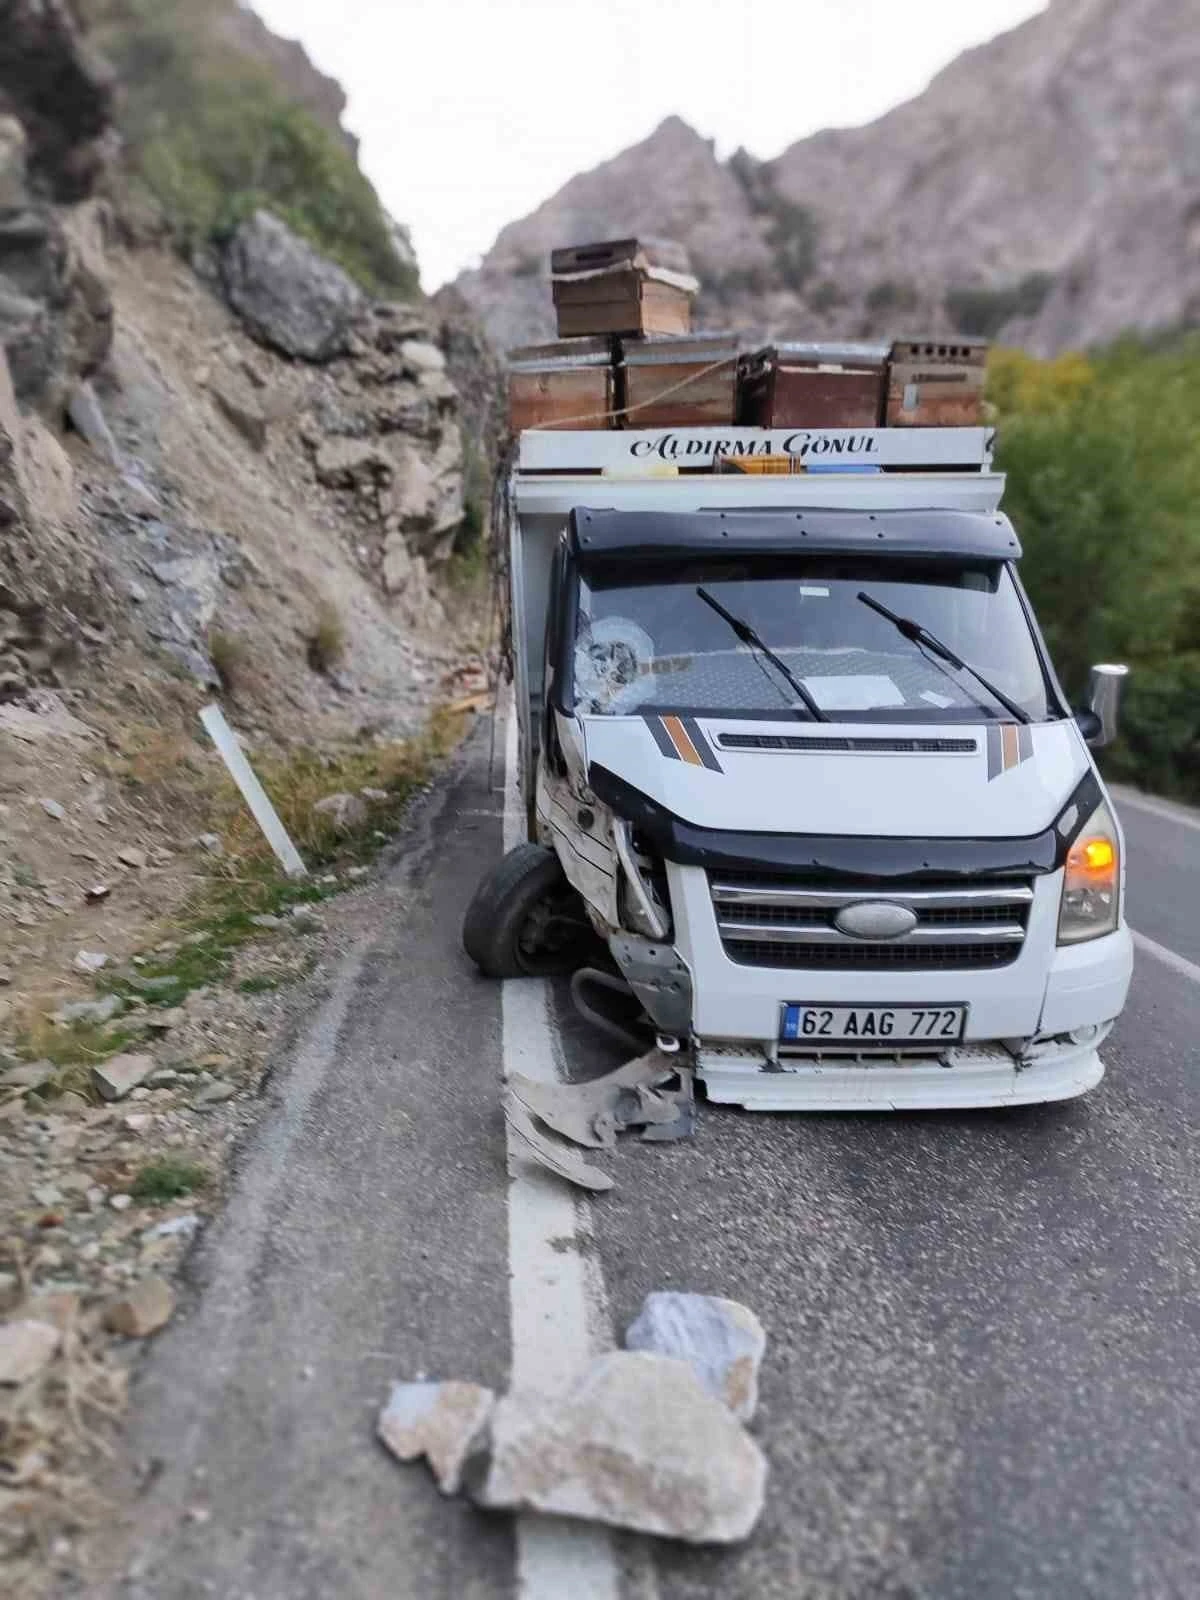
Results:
<point x="1042" y="190"/>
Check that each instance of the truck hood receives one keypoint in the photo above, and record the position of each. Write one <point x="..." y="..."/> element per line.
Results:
<point x="938" y="781"/>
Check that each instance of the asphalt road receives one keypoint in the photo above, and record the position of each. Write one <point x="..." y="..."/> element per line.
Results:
<point x="984" y="1327"/>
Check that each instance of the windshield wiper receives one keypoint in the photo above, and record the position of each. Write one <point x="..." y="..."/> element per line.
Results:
<point x="930" y="641"/>
<point x="756" y="642"/>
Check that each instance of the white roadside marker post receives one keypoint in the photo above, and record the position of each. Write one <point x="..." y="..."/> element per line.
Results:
<point x="255" y="796"/>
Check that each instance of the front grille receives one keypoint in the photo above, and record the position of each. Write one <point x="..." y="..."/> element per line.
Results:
<point x="769" y="921"/>
<point x="816" y="745"/>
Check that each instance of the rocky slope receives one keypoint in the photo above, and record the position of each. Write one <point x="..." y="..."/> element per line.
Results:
<point x="245" y="481"/>
<point x="1045" y="189"/>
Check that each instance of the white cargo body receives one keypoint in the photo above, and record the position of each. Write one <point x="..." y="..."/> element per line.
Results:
<point x="795" y="739"/>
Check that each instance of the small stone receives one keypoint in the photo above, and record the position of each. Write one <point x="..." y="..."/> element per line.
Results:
<point x="26" y="1346"/>
<point x="121" y="1202"/>
<point x="722" y="1341"/>
<point x="143" y="1311"/>
<point x="138" y="1121"/>
<point x="210" y="842"/>
<point x="102" y="1010"/>
<point x="132" y="856"/>
<point x="345" y="811"/>
<point x="162" y="1078"/>
<point x="97" y="891"/>
<point x="356" y="874"/>
<point x="163" y="1022"/>
<point x="182" y="1227"/>
<point x="214" y="1094"/>
<point x="136" y="593"/>
<point x="265" y="920"/>
<point x="306" y="920"/>
<point x="636" y="1442"/>
<point x="119" y="1076"/>
<point x="422" y="356"/>
<point x="91" y="960"/>
<point x="47" y="1195"/>
<point x="376" y="796"/>
<point x="5" y="977"/>
<point x="28" y="1075"/>
<point x="445" y="1422"/>
<point x="53" y="809"/>
<point x="90" y="1251"/>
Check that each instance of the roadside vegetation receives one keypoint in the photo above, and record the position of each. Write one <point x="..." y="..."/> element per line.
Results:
<point x="243" y="897"/>
<point x="1103" y="460"/>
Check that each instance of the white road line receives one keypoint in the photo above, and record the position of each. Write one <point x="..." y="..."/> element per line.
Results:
<point x="558" y="1304"/>
<point x="1155" y="808"/>
<point x="1179" y="964"/>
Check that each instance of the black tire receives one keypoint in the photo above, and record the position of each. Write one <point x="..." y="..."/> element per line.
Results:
<point x="525" y="920"/>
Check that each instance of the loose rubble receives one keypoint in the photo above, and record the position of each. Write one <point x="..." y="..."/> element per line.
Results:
<point x="143" y="1311"/>
<point x="648" y="1438"/>
<point x="26" y="1347"/>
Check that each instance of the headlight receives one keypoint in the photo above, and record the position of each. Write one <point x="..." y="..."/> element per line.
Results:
<point x="1092" y="881"/>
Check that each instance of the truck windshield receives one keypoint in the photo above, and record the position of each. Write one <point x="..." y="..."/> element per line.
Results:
<point x="656" y="643"/>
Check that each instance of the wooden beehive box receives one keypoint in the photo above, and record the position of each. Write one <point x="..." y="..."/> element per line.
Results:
<point x="936" y="383"/>
<point x="567" y="384"/>
<point x="814" y="386"/>
<point x="622" y="286"/>
<point x="681" y="383"/>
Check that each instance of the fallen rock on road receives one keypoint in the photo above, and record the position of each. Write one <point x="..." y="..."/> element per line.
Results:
<point x="445" y="1422"/>
<point x="723" y="1342"/>
<point x="637" y="1442"/>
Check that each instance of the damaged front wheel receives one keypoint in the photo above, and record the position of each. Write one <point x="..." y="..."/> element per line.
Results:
<point x="526" y="921"/>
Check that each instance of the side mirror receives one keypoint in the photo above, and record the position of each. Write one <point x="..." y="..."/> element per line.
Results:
<point x="1098" y="723"/>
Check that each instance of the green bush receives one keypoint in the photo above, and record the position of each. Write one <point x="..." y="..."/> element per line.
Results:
<point x="1103" y="463"/>
<point x="214" y="137"/>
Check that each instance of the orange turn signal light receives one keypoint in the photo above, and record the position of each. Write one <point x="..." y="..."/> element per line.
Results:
<point x="1093" y="858"/>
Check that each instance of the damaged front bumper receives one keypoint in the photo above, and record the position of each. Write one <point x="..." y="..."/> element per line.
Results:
<point x="967" y="1075"/>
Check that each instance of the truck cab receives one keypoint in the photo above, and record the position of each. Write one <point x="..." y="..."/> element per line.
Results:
<point x="791" y="743"/>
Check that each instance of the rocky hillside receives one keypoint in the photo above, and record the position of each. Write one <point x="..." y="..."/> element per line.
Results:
<point x="228" y="465"/>
<point x="1044" y="190"/>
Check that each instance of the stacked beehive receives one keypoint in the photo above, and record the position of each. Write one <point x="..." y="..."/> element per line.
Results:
<point x="624" y="309"/>
<point x="626" y="357"/>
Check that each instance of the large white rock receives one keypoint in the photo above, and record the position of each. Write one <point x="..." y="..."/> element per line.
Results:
<point x="445" y="1422"/>
<point x="637" y="1442"/>
<point x="721" y="1340"/>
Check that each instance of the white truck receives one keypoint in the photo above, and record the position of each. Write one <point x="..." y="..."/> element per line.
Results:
<point x="797" y="765"/>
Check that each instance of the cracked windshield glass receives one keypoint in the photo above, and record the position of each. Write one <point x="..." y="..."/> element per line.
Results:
<point x="659" y="644"/>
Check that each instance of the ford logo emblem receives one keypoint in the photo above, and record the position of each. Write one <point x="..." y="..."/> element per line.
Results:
<point x="875" y="919"/>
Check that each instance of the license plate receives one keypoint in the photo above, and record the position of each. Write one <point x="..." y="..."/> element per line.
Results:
<point x="872" y="1024"/>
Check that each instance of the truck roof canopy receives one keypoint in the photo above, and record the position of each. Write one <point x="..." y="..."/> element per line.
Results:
<point x="628" y="537"/>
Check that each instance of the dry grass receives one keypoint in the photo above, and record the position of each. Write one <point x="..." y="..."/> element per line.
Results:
<point x="327" y="642"/>
<point x="166" y="772"/>
<point x="230" y="659"/>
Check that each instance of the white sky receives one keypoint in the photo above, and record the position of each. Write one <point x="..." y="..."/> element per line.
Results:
<point x="471" y="112"/>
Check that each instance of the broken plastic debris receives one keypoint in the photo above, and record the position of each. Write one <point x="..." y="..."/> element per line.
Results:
<point x="592" y="1113"/>
<point x="547" y="1152"/>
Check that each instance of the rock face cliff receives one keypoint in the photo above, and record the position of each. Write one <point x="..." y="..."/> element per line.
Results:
<point x="1044" y="190"/>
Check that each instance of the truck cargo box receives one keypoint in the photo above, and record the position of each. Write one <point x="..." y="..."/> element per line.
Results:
<point x="936" y="383"/>
<point x="569" y="383"/>
<point x="814" y="386"/>
<point x="680" y="382"/>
